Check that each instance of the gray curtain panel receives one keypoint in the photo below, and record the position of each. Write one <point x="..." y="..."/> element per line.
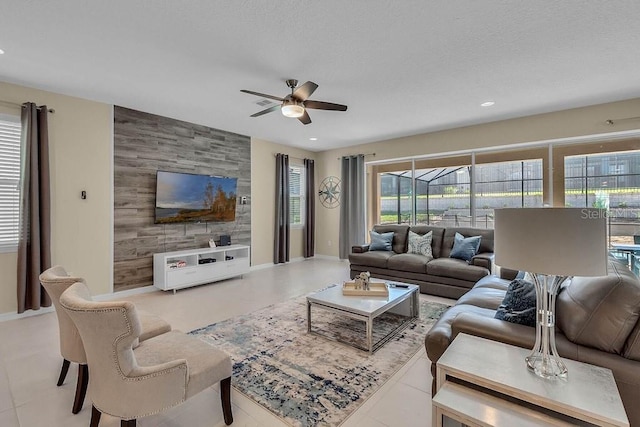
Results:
<point x="281" y="235"/>
<point x="352" y="219"/>
<point x="34" y="241"/>
<point x="310" y="209"/>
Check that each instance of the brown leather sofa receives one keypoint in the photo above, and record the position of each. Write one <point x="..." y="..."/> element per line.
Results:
<point x="442" y="276"/>
<point x="597" y="323"/>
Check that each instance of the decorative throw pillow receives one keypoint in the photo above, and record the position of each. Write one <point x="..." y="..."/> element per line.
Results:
<point x="519" y="303"/>
<point x="420" y="245"/>
<point x="380" y="241"/>
<point x="465" y="247"/>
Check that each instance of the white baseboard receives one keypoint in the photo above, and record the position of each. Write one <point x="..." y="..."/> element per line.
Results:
<point x="4" y="317"/>
<point x="127" y="293"/>
<point x="147" y="289"/>
<point x="270" y="264"/>
<point x="298" y="259"/>
<point x="331" y="258"/>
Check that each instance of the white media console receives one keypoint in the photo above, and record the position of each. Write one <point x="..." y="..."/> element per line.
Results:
<point x="183" y="269"/>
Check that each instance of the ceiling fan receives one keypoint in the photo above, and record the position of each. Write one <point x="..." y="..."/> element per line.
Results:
<point x="295" y="104"/>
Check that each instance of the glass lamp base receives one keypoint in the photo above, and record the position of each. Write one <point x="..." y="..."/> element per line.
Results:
<point x="544" y="360"/>
<point x="546" y="366"/>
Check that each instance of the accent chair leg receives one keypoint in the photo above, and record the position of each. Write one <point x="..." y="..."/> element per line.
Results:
<point x="95" y="417"/>
<point x="127" y="423"/>
<point x="63" y="371"/>
<point x="225" y="394"/>
<point x="81" y="388"/>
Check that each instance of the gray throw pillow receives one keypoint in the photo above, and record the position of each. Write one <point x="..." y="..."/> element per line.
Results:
<point x="420" y="245"/>
<point x="465" y="248"/>
<point x="519" y="303"/>
<point x="380" y="241"/>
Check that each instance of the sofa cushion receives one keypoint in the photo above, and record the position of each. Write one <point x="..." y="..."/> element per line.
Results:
<point x="408" y="262"/>
<point x="380" y="241"/>
<point x="486" y="243"/>
<point x="494" y="282"/>
<point x="519" y="303"/>
<point x="437" y="234"/>
<point x="483" y="296"/>
<point x="420" y="245"/>
<point x="400" y="232"/>
<point x="465" y="248"/>
<point x="456" y="268"/>
<point x="600" y="312"/>
<point x="371" y="259"/>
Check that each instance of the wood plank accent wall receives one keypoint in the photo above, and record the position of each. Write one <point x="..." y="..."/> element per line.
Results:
<point x="145" y="143"/>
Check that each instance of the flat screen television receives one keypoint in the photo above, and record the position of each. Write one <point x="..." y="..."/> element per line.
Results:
<point x="185" y="197"/>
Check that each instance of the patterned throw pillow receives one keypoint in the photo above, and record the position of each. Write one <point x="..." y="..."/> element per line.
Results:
<point x="465" y="248"/>
<point x="420" y="245"/>
<point x="519" y="303"/>
<point x="380" y="241"/>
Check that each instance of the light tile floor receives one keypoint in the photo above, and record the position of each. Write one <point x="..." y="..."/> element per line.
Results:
<point x="30" y="360"/>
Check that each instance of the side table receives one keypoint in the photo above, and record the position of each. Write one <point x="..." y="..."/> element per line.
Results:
<point x="480" y="382"/>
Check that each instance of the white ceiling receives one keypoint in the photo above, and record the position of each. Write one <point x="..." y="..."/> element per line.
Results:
<point x="402" y="66"/>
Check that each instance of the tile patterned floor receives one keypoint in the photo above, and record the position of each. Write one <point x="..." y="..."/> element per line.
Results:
<point x="30" y="359"/>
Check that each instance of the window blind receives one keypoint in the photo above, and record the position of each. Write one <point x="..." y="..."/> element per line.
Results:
<point x="9" y="182"/>
<point x="296" y="195"/>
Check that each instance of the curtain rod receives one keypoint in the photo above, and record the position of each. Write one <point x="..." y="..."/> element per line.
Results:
<point x="15" y="104"/>
<point x="349" y="155"/>
<point x="290" y="156"/>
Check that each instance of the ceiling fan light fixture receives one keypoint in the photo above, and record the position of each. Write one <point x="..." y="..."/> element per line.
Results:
<point x="292" y="110"/>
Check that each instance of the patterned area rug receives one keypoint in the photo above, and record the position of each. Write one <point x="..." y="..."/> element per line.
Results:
<point x="306" y="379"/>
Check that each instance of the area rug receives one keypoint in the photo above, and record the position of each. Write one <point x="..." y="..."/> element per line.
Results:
<point x="306" y="379"/>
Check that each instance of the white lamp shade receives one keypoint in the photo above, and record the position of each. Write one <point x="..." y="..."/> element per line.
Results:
<point x="553" y="241"/>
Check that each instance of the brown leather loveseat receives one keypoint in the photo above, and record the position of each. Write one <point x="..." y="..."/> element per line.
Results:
<point x="597" y="323"/>
<point x="442" y="275"/>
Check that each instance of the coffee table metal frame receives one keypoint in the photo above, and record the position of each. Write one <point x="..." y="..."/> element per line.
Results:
<point x="365" y="309"/>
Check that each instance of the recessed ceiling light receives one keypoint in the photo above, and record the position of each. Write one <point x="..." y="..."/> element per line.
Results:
<point x="487" y="104"/>
<point x="313" y="138"/>
<point x="1" y="52"/>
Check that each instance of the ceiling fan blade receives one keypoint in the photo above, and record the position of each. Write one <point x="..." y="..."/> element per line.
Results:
<point x="303" y="92"/>
<point x="261" y="94"/>
<point x="305" y="119"/>
<point x="268" y="110"/>
<point x="321" y="105"/>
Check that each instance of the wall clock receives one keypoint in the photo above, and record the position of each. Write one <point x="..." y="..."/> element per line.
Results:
<point x="330" y="192"/>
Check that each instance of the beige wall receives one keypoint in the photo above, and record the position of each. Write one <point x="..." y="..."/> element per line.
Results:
<point x="562" y="124"/>
<point x="263" y="187"/>
<point x="80" y="158"/>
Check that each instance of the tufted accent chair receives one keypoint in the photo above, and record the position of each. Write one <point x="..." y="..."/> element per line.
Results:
<point x="161" y="372"/>
<point x="56" y="280"/>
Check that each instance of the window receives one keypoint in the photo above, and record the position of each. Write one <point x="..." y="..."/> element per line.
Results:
<point x="443" y="195"/>
<point x="9" y="182"/>
<point x="607" y="181"/>
<point x="296" y="195"/>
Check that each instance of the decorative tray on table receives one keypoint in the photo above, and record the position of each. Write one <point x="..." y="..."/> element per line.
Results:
<point x="375" y="289"/>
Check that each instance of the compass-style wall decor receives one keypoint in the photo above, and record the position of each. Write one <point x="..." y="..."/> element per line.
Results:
<point x="330" y="192"/>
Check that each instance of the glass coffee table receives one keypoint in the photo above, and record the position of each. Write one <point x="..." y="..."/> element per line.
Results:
<point x="402" y="300"/>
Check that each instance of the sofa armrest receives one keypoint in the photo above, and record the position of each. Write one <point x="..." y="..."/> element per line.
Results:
<point x="493" y="329"/>
<point x="485" y="260"/>
<point x="358" y="249"/>
<point x="509" y="274"/>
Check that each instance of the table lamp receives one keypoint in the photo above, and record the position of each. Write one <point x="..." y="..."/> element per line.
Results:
<point x="552" y="244"/>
